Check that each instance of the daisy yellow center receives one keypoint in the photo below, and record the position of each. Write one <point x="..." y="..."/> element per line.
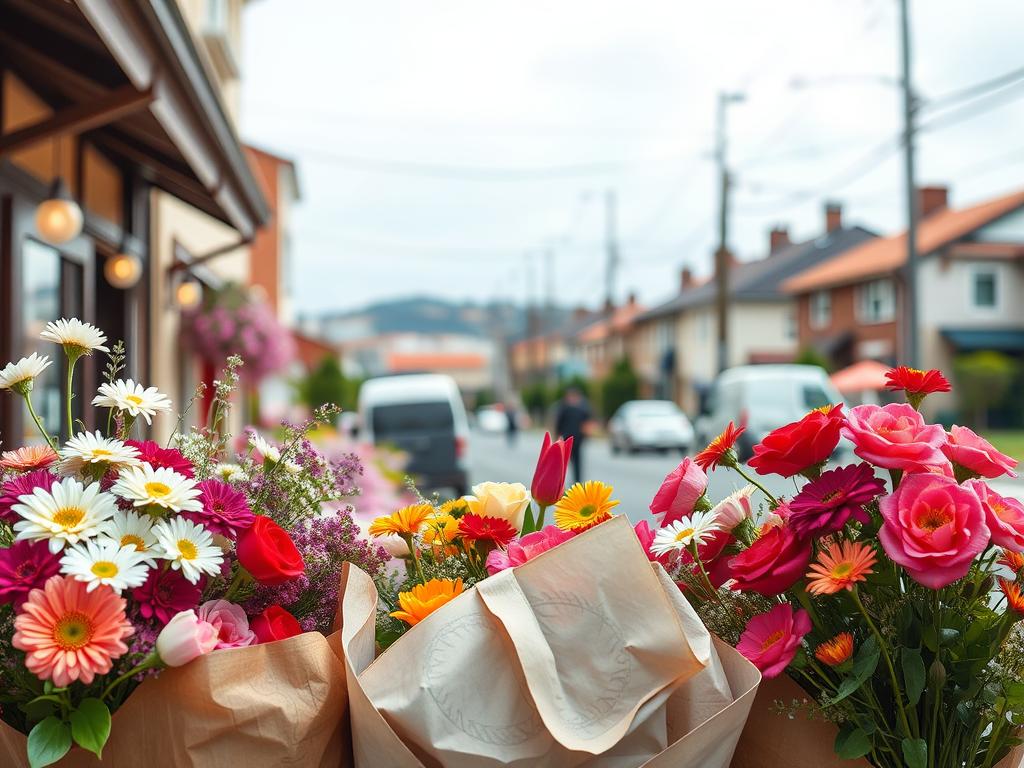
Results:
<point x="157" y="490"/>
<point x="104" y="569"/>
<point x="100" y="453"/>
<point x="187" y="549"/>
<point x="72" y="631"/>
<point x="932" y="519"/>
<point x="684" y="534"/>
<point x="134" y="399"/>
<point x="68" y="517"/>
<point x="772" y="639"/>
<point x="842" y="570"/>
<point x="130" y="539"/>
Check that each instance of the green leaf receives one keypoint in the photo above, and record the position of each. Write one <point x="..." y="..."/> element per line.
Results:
<point x="90" y="725"/>
<point x="915" y="753"/>
<point x="852" y="743"/>
<point x="37" y="709"/>
<point x="48" y="742"/>
<point x="914" y="674"/>
<point x="863" y="667"/>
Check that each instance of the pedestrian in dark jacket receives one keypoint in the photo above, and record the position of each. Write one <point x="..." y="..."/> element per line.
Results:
<point x="573" y="420"/>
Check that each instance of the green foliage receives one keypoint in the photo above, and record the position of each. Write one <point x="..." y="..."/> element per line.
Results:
<point x="811" y="356"/>
<point x="48" y="742"/>
<point x="90" y="725"/>
<point x="536" y="397"/>
<point x="327" y="384"/>
<point x="983" y="381"/>
<point x="484" y="397"/>
<point x="852" y="742"/>
<point x="620" y="386"/>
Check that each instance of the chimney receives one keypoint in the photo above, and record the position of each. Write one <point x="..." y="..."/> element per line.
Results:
<point x="686" y="279"/>
<point x="833" y="217"/>
<point x="631" y="301"/>
<point x="931" y="199"/>
<point x="778" y="239"/>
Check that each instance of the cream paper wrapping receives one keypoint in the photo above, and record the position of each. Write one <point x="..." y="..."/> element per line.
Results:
<point x="585" y="656"/>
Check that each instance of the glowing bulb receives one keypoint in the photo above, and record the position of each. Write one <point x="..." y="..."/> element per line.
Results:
<point x="58" y="220"/>
<point x="188" y="294"/>
<point x="123" y="270"/>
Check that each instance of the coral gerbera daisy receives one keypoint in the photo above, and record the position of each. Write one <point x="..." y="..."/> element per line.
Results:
<point x="90" y="450"/>
<point x="135" y="399"/>
<point x="840" y="567"/>
<point x="825" y="504"/>
<point x="65" y="514"/>
<point x="168" y="458"/>
<point x="721" y="450"/>
<point x="105" y="563"/>
<point x="76" y="337"/>
<point x="1014" y="596"/>
<point x="69" y="633"/>
<point x="225" y="510"/>
<point x="476" y="528"/>
<point x="19" y="376"/>
<point x="677" y="536"/>
<point x="148" y="487"/>
<point x="423" y="599"/>
<point x="1012" y="560"/>
<point x="27" y="458"/>
<point x="584" y="505"/>
<point x="836" y="651"/>
<point x="189" y="547"/>
<point x="407" y="521"/>
<point x="24" y="566"/>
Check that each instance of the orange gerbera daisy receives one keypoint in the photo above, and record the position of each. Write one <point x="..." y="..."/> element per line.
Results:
<point x="69" y="633"/>
<point x="839" y="567"/>
<point x="1014" y="597"/>
<point x="1012" y="560"/>
<point x="423" y="599"/>
<point x="405" y="522"/>
<point x="454" y="507"/>
<point x="720" y="450"/>
<point x="28" y="458"/>
<point x="835" y="651"/>
<point x="584" y="505"/>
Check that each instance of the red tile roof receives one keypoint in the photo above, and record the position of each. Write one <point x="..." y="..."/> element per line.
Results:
<point x="436" y="361"/>
<point x="885" y="254"/>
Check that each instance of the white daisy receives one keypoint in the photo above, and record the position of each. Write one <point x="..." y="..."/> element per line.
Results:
<point x="269" y="452"/>
<point x="162" y="487"/>
<point x="133" y="398"/>
<point x="229" y="473"/>
<point x="91" y="448"/>
<point x="21" y="374"/>
<point x="679" y="535"/>
<point x="68" y="513"/>
<point x="105" y="562"/>
<point x="292" y="467"/>
<point x="76" y="337"/>
<point x="189" y="547"/>
<point x="130" y="529"/>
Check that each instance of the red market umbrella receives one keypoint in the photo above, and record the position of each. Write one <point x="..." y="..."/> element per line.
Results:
<point x="864" y="376"/>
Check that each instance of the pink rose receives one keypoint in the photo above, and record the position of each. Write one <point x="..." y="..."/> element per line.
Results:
<point x="976" y="454"/>
<point x="185" y="638"/>
<point x="679" y="492"/>
<point x="894" y="436"/>
<point x="527" y="548"/>
<point x="934" y="528"/>
<point x="1003" y="516"/>
<point x="230" y="621"/>
<point x="771" y="640"/>
<point x="776" y="561"/>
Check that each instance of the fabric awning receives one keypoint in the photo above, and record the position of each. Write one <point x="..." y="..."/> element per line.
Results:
<point x="863" y="376"/>
<point x="972" y="339"/>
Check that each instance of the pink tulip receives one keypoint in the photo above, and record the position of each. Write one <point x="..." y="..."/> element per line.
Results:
<point x="679" y="492"/>
<point x="549" y="477"/>
<point x="185" y="638"/>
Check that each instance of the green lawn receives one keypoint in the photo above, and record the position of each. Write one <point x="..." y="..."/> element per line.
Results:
<point x="1009" y="441"/>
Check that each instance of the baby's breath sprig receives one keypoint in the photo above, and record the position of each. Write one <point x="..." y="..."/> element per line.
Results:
<point x="115" y="362"/>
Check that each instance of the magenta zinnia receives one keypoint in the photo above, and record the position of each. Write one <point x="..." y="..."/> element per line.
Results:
<point x="165" y="594"/>
<point x="225" y="510"/>
<point x="158" y="457"/>
<point x="24" y="566"/>
<point x="827" y="503"/>
<point x="22" y="485"/>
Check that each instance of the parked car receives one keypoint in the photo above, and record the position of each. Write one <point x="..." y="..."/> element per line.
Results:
<point x="766" y="397"/>
<point x="492" y="418"/>
<point x="650" y="425"/>
<point x="423" y="416"/>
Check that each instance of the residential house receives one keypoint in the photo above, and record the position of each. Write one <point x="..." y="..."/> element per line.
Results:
<point x="603" y="342"/>
<point x="551" y="356"/>
<point x="675" y="344"/>
<point x="970" y="277"/>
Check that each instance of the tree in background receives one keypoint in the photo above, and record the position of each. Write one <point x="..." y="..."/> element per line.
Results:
<point x="619" y="386"/>
<point x="536" y="398"/>
<point x="327" y="384"/>
<point x="811" y="356"/>
<point x="983" y="380"/>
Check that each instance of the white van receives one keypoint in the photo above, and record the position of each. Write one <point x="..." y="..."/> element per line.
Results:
<point x="766" y="397"/>
<point x="423" y="416"/>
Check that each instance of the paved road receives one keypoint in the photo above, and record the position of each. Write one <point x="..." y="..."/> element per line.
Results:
<point x="635" y="478"/>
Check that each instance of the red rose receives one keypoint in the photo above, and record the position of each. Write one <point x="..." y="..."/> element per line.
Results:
<point x="268" y="554"/>
<point x="791" y="449"/>
<point x="776" y="561"/>
<point x="275" y="623"/>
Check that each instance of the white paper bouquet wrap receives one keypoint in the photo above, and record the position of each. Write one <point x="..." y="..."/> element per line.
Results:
<point x="585" y="656"/>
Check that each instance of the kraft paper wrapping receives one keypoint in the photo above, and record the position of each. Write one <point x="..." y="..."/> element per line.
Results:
<point x="279" y="704"/>
<point x="585" y="656"/>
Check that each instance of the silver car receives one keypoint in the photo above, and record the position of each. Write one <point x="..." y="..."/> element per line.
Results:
<point x="657" y="425"/>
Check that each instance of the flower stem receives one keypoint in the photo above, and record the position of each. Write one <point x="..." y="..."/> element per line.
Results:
<point x="241" y="576"/>
<point x="754" y="482"/>
<point x="151" y="661"/>
<point x="32" y="412"/>
<point x="712" y="592"/>
<point x="415" y="557"/>
<point x="896" y="690"/>
<point x="72" y="360"/>
<point x="539" y="525"/>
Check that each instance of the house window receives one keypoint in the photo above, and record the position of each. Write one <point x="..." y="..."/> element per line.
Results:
<point x="217" y="17"/>
<point x="789" y="322"/>
<point x="984" y="289"/>
<point x="821" y="309"/>
<point x="877" y="301"/>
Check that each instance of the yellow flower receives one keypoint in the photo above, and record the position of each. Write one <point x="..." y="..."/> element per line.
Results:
<point x="405" y="522"/>
<point x="423" y="599"/>
<point x="584" y="505"/>
<point x="440" y="529"/>
<point x="506" y="501"/>
<point x="454" y="507"/>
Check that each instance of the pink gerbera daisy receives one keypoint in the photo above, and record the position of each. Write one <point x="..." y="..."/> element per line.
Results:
<point x="225" y="510"/>
<point x="28" y="458"/>
<point x="69" y="633"/>
<point x="24" y="566"/>
<point x="164" y="594"/>
<point x="825" y="505"/>
<point x="158" y="457"/>
<point x="22" y="485"/>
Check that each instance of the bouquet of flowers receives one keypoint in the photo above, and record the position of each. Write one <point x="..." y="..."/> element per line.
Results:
<point x="888" y="588"/>
<point x="120" y="557"/>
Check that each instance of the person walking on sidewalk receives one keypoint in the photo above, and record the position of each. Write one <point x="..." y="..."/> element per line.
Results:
<point x="574" y="419"/>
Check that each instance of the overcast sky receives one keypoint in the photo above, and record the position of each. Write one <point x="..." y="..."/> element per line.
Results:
<point x="440" y="142"/>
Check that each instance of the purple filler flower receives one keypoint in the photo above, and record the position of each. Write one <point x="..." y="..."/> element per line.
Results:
<point x="225" y="510"/>
<point x="824" y="505"/>
<point x="21" y="486"/>
<point x="164" y="594"/>
<point x="24" y="566"/>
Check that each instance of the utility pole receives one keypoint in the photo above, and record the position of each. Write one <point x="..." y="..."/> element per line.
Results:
<point x="910" y="340"/>
<point x="611" y="248"/>
<point x="549" y="288"/>
<point x="722" y="255"/>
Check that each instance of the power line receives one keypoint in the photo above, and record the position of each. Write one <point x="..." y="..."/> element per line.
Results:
<point x="978" y="89"/>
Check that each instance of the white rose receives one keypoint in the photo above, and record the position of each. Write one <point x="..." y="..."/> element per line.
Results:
<point x="506" y="501"/>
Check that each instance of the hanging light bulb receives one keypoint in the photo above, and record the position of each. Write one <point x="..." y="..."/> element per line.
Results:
<point x="58" y="218"/>
<point x="188" y="293"/>
<point x="123" y="269"/>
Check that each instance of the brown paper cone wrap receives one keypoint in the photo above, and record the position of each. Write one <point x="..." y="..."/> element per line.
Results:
<point x="585" y="656"/>
<point x="279" y="704"/>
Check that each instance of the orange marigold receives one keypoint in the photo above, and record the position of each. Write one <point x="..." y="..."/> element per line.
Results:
<point x="423" y="599"/>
